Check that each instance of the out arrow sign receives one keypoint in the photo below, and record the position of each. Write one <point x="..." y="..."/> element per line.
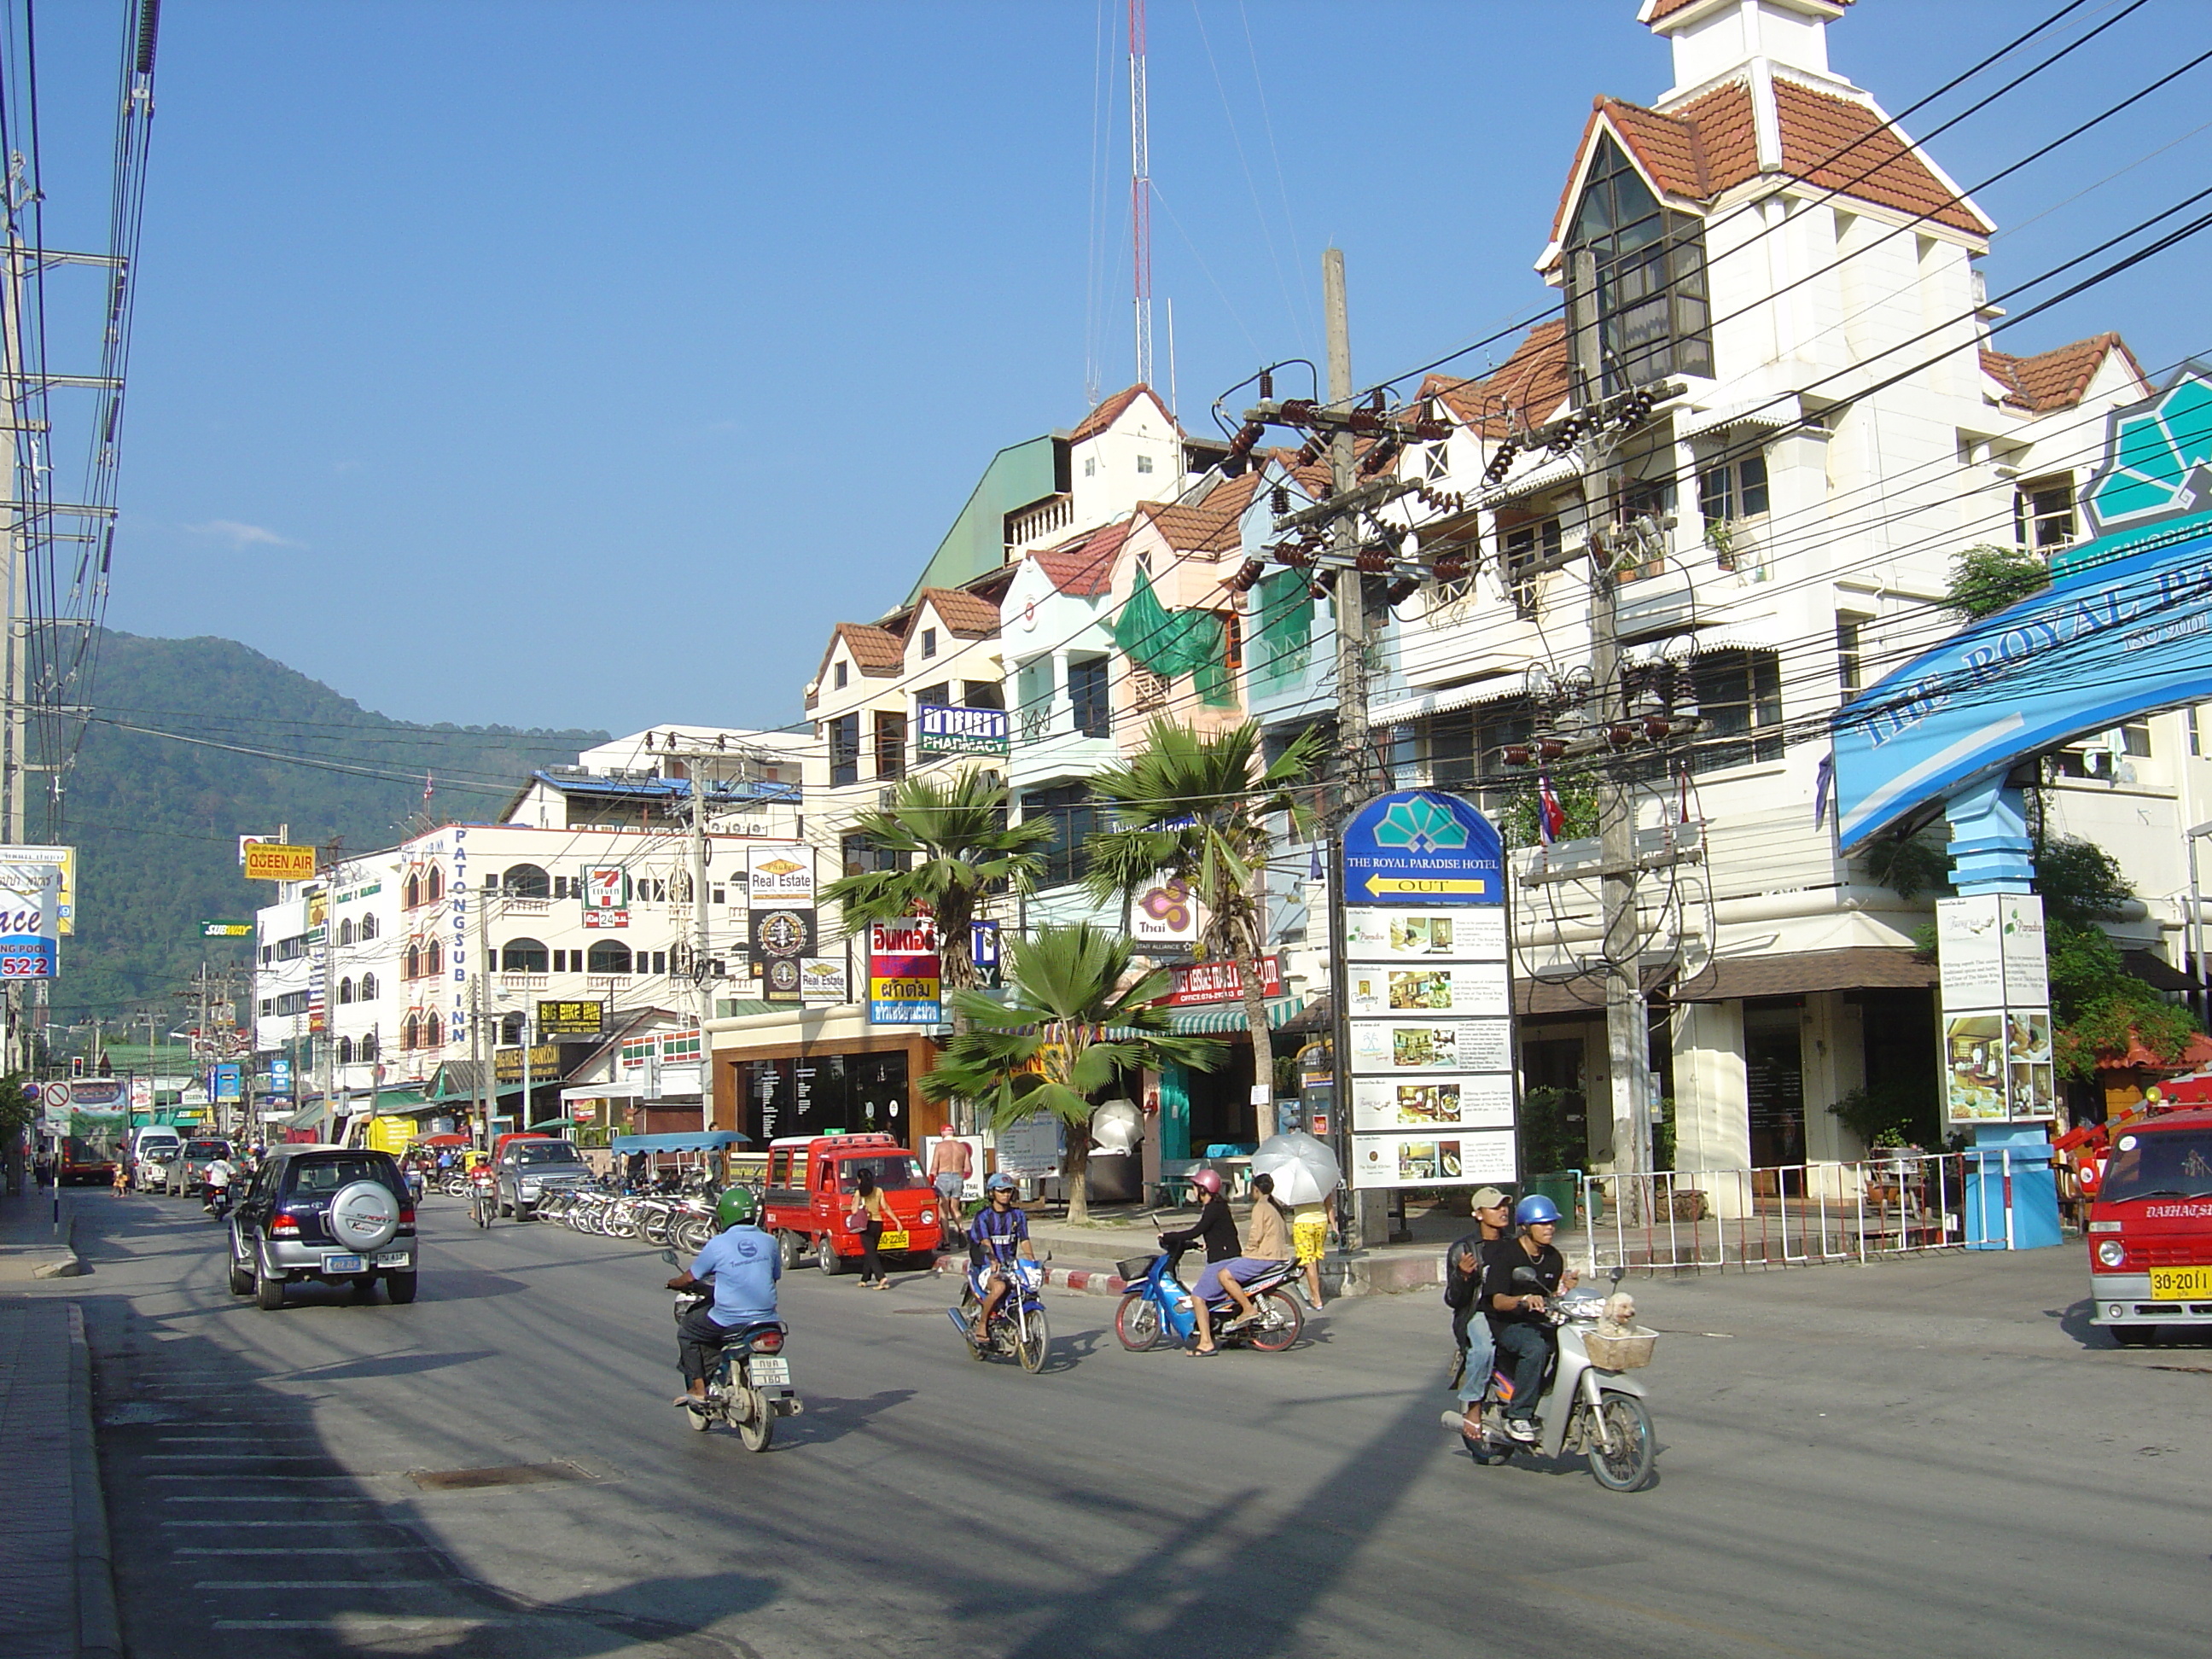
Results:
<point x="1418" y="886"/>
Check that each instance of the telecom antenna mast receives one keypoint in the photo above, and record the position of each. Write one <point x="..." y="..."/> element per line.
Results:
<point x="1140" y="192"/>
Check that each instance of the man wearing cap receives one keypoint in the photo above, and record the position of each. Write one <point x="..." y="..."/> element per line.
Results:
<point x="1465" y="1264"/>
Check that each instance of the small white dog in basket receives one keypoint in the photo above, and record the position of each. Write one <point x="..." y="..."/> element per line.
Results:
<point x="1619" y="1317"/>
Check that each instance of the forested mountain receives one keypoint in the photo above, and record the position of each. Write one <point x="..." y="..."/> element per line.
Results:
<point x="156" y="818"/>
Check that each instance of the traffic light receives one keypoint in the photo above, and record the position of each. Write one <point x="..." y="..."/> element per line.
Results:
<point x="76" y="1065"/>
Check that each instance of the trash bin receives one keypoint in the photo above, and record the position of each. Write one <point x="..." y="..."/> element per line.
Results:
<point x="1564" y="1190"/>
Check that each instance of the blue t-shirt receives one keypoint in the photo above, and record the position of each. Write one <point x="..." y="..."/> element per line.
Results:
<point x="997" y="1232"/>
<point x="745" y="1264"/>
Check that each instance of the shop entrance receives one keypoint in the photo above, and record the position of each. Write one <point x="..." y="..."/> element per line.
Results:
<point x="1221" y="1111"/>
<point x="827" y="1094"/>
<point x="1774" y="1073"/>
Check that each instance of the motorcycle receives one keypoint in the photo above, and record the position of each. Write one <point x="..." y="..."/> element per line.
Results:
<point x="1018" y="1327"/>
<point x="1588" y="1405"/>
<point x="751" y="1386"/>
<point x="484" y="1197"/>
<point x="218" y="1202"/>
<point x="1158" y="1307"/>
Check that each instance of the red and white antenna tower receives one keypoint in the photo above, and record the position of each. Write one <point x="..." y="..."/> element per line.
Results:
<point x="1140" y="192"/>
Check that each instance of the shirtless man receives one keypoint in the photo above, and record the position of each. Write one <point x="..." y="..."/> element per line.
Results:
<point x="952" y="1161"/>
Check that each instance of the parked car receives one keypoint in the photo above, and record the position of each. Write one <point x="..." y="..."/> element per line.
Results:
<point x="810" y="1195"/>
<point x="324" y="1215"/>
<point x="526" y="1169"/>
<point x="154" y="1143"/>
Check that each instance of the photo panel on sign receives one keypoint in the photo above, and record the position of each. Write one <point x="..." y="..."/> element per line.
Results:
<point x="1467" y="1157"/>
<point x="1393" y="933"/>
<point x="1976" y="1084"/>
<point x="1399" y="1046"/>
<point x="1384" y="989"/>
<point x="1387" y="1105"/>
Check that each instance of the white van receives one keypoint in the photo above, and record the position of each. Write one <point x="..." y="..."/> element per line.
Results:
<point x="153" y="1142"/>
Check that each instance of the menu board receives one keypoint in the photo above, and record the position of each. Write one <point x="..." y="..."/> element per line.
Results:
<point x="1406" y="1047"/>
<point x="1475" y="1159"/>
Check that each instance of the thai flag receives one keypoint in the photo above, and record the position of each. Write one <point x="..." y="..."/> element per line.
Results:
<point x="1551" y="816"/>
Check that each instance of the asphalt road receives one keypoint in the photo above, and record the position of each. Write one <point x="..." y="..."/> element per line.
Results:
<point x="1934" y="1456"/>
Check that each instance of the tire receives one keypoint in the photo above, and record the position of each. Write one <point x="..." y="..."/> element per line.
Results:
<point x="1629" y="1466"/>
<point x="364" y="1288"/>
<point x="757" y="1430"/>
<point x="792" y="1247"/>
<point x="1137" y="1323"/>
<point x="655" y="1227"/>
<point x="1279" y="1306"/>
<point x="400" y="1287"/>
<point x="1036" y="1348"/>
<point x="506" y="1211"/>
<point x="241" y="1278"/>
<point x="827" y="1259"/>
<point x="2135" y="1336"/>
<point x="268" y="1293"/>
<point x="1489" y="1456"/>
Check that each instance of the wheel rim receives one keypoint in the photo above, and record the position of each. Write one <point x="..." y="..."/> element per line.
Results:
<point x="1284" y="1323"/>
<point x="1629" y="1427"/>
<point x="756" y="1429"/>
<point x="1038" y="1344"/>
<point x="1136" y="1322"/>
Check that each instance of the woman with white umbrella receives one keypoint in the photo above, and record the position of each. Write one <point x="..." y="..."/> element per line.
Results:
<point x="1306" y="1177"/>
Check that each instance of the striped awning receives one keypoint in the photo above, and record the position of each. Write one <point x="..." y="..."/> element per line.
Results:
<point x="1221" y="1019"/>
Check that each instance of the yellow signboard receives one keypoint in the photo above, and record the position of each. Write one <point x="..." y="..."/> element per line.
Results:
<point x="63" y="859"/>
<point x="545" y="1063"/>
<point x="271" y="860"/>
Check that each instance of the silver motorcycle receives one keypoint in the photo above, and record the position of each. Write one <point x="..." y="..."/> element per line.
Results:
<point x="1590" y="1406"/>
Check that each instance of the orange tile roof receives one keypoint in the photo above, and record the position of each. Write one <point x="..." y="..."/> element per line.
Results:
<point x="1522" y="390"/>
<point x="966" y="614"/>
<point x="875" y="651"/>
<point x="2059" y="378"/>
<point x="1113" y="407"/>
<point x="1084" y="566"/>
<point x="1191" y="529"/>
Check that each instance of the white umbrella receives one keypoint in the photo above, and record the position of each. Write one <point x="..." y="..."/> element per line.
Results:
<point x="1304" y="1169"/>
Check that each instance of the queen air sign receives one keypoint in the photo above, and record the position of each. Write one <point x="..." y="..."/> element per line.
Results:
<point x="2123" y="630"/>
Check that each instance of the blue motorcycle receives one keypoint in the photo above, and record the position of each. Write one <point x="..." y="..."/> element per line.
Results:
<point x="1158" y="1306"/>
<point x="1018" y="1327"/>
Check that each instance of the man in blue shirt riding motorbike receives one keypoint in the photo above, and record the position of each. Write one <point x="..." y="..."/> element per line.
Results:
<point x="741" y="1264"/>
<point x="996" y="1235"/>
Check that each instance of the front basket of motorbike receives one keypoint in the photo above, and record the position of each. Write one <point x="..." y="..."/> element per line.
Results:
<point x="1135" y="1267"/>
<point x="1623" y="1353"/>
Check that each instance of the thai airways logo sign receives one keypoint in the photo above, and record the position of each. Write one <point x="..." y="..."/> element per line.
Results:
<point x="2158" y="460"/>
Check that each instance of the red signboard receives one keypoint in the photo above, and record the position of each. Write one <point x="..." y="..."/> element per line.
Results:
<point x="1218" y="981"/>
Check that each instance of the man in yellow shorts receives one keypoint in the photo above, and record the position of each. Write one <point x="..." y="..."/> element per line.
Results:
<point x="1309" y="1238"/>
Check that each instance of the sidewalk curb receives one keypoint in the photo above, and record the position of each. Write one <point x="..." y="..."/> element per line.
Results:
<point x="44" y="1261"/>
<point x="99" y="1633"/>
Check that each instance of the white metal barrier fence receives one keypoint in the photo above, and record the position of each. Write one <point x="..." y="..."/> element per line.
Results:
<point x="1795" y="1214"/>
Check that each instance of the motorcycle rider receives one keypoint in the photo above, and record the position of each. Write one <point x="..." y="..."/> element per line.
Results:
<point x="1516" y="1315"/>
<point x="996" y="1234"/>
<point x="1217" y="1229"/>
<point x="1464" y="1266"/>
<point x="741" y="1265"/>
<point x="218" y="1176"/>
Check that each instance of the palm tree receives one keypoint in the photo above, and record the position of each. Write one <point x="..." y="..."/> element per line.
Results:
<point x="1194" y="808"/>
<point x="1076" y="1015"/>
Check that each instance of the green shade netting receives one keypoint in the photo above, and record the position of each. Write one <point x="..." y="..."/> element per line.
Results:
<point x="1285" y="608"/>
<point x="1173" y="643"/>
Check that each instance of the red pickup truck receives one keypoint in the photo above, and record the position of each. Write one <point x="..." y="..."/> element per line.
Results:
<point x="808" y="1198"/>
<point x="2150" y="1226"/>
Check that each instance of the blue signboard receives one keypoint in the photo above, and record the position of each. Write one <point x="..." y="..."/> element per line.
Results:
<point x="1419" y="847"/>
<point x="2125" y="630"/>
<point x="280" y="1075"/>
<point x="952" y="729"/>
<point x="229" y="1083"/>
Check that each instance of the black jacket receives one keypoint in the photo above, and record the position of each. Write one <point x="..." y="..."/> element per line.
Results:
<point x="1215" y="1226"/>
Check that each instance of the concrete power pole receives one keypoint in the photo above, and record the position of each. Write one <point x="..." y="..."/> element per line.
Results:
<point x="1351" y="586"/>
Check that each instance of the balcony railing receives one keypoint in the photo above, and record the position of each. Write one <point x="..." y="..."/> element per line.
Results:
<point x="1043" y="519"/>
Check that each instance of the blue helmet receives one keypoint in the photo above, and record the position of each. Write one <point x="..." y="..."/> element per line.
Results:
<point x="1533" y="1208"/>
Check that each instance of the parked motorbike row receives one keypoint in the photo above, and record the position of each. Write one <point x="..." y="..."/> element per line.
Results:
<point x="684" y="1219"/>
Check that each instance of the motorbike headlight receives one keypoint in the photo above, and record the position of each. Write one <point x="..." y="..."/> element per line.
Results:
<point x="2112" y="1252"/>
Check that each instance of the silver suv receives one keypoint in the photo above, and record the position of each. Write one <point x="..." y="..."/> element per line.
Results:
<point x="324" y="1215"/>
<point x="528" y="1168"/>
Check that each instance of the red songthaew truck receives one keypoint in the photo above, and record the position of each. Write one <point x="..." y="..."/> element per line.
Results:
<point x="2148" y="1175"/>
<point x="808" y="1200"/>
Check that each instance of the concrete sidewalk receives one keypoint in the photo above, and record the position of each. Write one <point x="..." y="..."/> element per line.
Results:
<point x="60" y="1597"/>
<point x="31" y="1246"/>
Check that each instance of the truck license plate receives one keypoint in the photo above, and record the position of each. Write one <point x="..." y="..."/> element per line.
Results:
<point x="340" y="1264"/>
<point x="2180" y="1284"/>
<point x="892" y="1241"/>
<point x="771" y="1372"/>
<point x="396" y="1258"/>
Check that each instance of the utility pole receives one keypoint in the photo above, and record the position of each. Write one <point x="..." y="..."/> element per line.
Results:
<point x="701" y="964"/>
<point x="1352" y="740"/>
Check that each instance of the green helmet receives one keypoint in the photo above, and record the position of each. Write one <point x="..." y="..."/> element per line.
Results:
<point x="735" y="1207"/>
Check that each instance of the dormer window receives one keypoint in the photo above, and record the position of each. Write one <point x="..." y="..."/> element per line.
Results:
<point x="1636" y="304"/>
<point x="837" y="677"/>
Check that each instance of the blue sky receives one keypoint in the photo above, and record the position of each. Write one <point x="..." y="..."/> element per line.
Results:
<point x="568" y="364"/>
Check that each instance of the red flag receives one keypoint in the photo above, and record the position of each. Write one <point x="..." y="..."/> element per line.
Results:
<point x="1551" y="816"/>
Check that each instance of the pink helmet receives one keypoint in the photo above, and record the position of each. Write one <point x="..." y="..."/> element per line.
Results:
<point x="1206" y="1180"/>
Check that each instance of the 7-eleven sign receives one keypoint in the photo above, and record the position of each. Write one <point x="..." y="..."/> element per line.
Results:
<point x="603" y="887"/>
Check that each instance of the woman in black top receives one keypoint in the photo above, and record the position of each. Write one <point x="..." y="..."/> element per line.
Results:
<point x="1217" y="1229"/>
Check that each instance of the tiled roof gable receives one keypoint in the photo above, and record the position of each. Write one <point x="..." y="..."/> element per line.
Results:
<point x="2059" y="378"/>
<point x="1522" y="391"/>
<point x="1116" y="406"/>
<point x="1084" y="567"/>
<point x="966" y="614"/>
<point x="875" y="651"/>
<point x="1879" y="166"/>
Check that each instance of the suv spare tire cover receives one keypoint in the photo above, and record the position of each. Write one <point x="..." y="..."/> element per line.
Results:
<point x="364" y="1215"/>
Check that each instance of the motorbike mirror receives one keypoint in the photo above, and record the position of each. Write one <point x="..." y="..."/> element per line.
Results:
<point x="1528" y="1276"/>
<point x="1616" y="1274"/>
<point x="669" y="1256"/>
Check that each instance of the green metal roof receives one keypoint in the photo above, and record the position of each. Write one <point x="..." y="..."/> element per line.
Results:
<point x="976" y="544"/>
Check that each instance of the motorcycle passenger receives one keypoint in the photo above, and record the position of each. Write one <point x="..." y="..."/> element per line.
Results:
<point x="1516" y="1315"/>
<point x="1268" y="1247"/>
<point x="218" y="1177"/>
<point x="1465" y="1264"/>
<point x="996" y="1235"/>
<point x="741" y="1264"/>
<point x="1217" y="1229"/>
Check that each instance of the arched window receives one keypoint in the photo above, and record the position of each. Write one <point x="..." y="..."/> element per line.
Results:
<point x="526" y="881"/>
<point x="365" y="1051"/>
<point x="345" y="991"/>
<point x="345" y="931"/>
<point x="609" y="956"/>
<point x="410" y="891"/>
<point x="410" y="1033"/>
<point x="366" y="993"/>
<point x="433" y="885"/>
<point x="345" y="1051"/>
<point x="410" y="965"/>
<point x="434" y="957"/>
<point x="524" y="956"/>
<point x="433" y="1034"/>
<point x="1637" y="270"/>
<point x="368" y="927"/>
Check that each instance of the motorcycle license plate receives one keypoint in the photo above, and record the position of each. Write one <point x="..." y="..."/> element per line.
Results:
<point x="342" y="1264"/>
<point x="892" y="1241"/>
<point x="771" y="1372"/>
<point x="2180" y="1284"/>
